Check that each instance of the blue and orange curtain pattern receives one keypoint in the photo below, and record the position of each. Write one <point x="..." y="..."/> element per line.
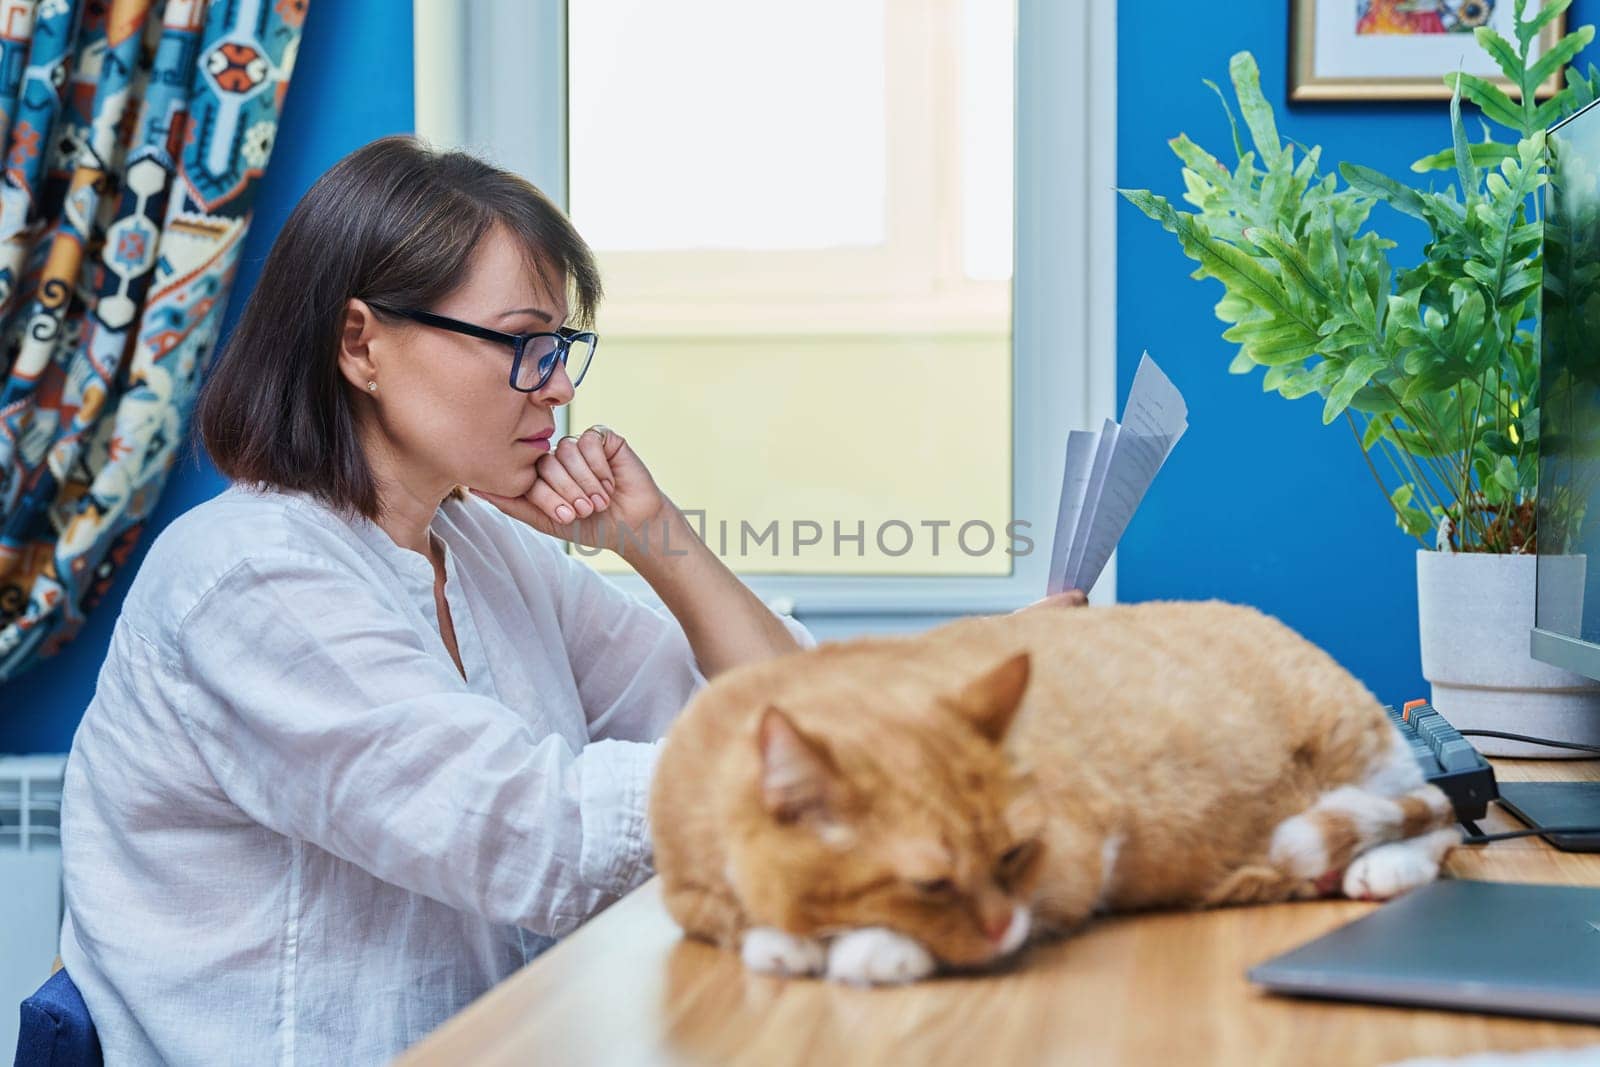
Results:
<point x="134" y="133"/>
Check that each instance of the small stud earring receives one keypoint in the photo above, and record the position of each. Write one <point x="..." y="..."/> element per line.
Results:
<point x="372" y="387"/>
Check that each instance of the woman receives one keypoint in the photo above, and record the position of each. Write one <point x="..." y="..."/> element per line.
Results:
<point x="364" y="744"/>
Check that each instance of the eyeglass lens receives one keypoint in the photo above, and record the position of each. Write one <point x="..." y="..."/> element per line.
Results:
<point x="538" y="360"/>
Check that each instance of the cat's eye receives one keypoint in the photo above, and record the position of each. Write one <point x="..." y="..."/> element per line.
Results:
<point x="1013" y="858"/>
<point x="935" y="887"/>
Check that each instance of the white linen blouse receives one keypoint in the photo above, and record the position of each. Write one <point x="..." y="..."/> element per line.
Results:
<point x="294" y="833"/>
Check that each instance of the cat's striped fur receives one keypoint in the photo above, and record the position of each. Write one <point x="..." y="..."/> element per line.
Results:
<point x="876" y="807"/>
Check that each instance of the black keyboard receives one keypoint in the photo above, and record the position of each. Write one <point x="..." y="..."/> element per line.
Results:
<point x="1447" y="759"/>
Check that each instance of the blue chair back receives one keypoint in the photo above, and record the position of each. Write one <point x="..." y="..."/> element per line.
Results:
<point x="56" y="1030"/>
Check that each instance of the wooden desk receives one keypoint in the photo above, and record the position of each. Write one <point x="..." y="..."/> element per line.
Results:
<point x="1163" y="989"/>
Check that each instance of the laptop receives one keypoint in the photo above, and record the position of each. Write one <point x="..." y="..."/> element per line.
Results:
<point x="1498" y="947"/>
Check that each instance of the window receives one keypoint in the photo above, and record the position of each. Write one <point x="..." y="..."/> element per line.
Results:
<point x="804" y="217"/>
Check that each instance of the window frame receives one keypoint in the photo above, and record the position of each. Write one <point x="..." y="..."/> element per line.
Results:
<point x="1065" y="130"/>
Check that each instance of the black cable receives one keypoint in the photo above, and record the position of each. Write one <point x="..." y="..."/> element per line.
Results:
<point x="1484" y="839"/>
<point x="1575" y="746"/>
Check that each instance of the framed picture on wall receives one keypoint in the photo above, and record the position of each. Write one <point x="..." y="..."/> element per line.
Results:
<point x="1397" y="49"/>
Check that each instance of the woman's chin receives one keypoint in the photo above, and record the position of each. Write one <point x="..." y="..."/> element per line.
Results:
<point x="501" y="490"/>
<point x="509" y="482"/>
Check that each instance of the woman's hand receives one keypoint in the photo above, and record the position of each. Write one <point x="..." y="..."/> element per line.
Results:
<point x="589" y="489"/>
<point x="1072" y="598"/>
<point x="594" y="491"/>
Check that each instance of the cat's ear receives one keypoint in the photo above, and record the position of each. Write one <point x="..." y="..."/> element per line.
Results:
<point x="797" y="771"/>
<point x="990" y="701"/>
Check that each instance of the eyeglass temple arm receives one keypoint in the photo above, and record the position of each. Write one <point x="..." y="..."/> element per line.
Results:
<point x="428" y="318"/>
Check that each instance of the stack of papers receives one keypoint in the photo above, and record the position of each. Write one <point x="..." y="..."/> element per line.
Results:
<point x="1107" y="473"/>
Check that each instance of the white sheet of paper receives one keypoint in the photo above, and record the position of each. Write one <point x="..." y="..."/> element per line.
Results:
<point x="1081" y="447"/>
<point x="1152" y="422"/>
<point x="1091" y="500"/>
<point x="1106" y="475"/>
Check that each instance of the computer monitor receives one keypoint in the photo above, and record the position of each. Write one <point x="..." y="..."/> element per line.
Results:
<point x="1566" y="624"/>
<point x="1566" y="629"/>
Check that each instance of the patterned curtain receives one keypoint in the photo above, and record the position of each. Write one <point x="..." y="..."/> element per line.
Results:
<point x="135" y="132"/>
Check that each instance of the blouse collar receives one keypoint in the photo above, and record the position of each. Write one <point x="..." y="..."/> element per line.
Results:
<point x="414" y="568"/>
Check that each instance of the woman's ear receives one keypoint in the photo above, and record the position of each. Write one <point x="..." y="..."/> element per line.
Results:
<point x="357" y="325"/>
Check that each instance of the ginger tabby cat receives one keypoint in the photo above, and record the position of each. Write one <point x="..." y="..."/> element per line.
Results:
<point x="875" y="809"/>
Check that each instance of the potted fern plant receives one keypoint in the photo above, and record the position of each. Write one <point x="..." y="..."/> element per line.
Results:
<point x="1434" y="366"/>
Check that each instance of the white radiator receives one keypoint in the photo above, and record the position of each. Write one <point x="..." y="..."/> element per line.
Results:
<point x="30" y="881"/>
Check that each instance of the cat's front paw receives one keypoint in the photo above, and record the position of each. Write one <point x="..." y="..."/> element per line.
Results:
<point x="767" y="950"/>
<point x="1388" y="870"/>
<point x="876" y="956"/>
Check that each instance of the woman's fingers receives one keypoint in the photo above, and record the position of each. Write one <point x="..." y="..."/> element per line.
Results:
<point x="552" y="503"/>
<point x="557" y="493"/>
<point x="1071" y="598"/>
<point x="578" y="461"/>
<point x="592" y="446"/>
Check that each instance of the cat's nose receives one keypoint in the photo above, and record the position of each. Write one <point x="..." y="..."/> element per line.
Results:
<point x="995" y="926"/>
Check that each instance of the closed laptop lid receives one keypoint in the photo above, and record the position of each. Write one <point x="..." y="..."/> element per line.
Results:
<point x="1480" y="946"/>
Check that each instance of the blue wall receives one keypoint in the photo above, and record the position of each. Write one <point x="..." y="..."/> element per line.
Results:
<point x="352" y="83"/>
<point x="1260" y="502"/>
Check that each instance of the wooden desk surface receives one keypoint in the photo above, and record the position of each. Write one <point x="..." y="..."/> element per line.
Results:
<point x="1164" y="989"/>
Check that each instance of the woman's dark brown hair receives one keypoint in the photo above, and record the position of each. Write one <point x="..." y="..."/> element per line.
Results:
<point x="395" y="223"/>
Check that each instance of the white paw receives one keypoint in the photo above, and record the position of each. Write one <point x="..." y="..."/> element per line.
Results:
<point x="876" y="956"/>
<point x="1298" y="848"/>
<point x="1388" y="870"/>
<point x="766" y="950"/>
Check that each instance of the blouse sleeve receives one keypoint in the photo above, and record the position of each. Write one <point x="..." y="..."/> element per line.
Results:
<point x="321" y="716"/>
<point x="634" y="666"/>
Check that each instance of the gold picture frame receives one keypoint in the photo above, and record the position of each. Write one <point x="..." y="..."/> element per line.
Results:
<point x="1308" y="84"/>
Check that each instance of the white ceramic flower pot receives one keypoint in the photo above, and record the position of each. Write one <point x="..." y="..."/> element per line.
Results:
<point x="1475" y="610"/>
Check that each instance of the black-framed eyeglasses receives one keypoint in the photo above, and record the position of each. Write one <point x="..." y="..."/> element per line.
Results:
<point x="533" y="355"/>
